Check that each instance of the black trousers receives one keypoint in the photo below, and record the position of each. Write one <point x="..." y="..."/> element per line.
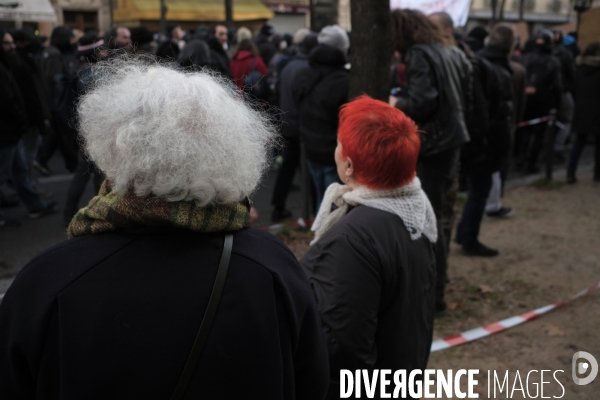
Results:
<point x="467" y="231"/>
<point x="285" y="177"/>
<point x="437" y="173"/>
<point x="578" y="146"/>
<point x="63" y="138"/>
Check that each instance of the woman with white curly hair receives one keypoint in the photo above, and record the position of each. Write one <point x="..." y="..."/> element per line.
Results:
<point x="161" y="291"/>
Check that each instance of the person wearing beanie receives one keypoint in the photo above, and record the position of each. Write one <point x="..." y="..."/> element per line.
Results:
<point x="264" y="43"/>
<point x="334" y="36"/>
<point x="319" y="91"/>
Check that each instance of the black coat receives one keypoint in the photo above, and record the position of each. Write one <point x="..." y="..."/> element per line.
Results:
<point x="587" y="96"/>
<point x="320" y="90"/>
<point x="375" y="291"/>
<point x="287" y="78"/>
<point x="12" y="114"/>
<point x="438" y="95"/>
<point x="114" y="316"/>
<point x="490" y="125"/>
<point x="31" y="84"/>
<point x="168" y="50"/>
<point x="544" y="74"/>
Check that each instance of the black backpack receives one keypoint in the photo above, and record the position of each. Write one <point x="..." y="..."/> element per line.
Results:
<point x="254" y="83"/>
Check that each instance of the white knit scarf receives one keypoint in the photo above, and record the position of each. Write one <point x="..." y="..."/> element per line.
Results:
<point x="409" y="202"/>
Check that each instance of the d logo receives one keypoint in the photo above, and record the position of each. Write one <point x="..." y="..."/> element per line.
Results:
<point x="583" y="367"/>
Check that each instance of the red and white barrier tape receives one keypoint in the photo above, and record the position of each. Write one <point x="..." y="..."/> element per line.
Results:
<point x="481" y="332"/>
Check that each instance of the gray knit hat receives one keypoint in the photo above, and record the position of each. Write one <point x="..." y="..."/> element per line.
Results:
<point x="334" y="35"/>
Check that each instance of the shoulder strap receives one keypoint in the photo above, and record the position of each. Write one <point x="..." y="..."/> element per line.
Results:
<point x="209" y="315"/>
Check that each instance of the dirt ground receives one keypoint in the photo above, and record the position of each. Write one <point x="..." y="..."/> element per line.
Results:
<point x="549" y="250"/>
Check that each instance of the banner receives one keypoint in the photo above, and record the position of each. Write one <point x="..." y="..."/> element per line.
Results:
<point x="458" y="9"/>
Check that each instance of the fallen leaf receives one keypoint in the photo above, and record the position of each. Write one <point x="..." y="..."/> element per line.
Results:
<point x="452" y="306"/>
<point x="552" y="330"/>
<point x="486" y="289"/>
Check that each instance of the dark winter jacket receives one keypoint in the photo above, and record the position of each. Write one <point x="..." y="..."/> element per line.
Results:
<point x="114" y="316"/>
<point x="519" y="85"/>
<point x="587" y="96"/>
<point x="168" y="50"/>
<point x="567" y="66"/>
<point x="287" y="78"/>
<point x="544" y="75"/>
<point x="320" y="90"/>
<point x="375" y="292"/>
<point x="32" y="87"/>
<point x="499" y="95"/>
<point x="241" y="66"/>
<point x="437" y="95"/>
<point x="266" y="48"/>
<point x="58" y="63"/>
<point x="12" y="114"/>
<point x="219" y="55"/>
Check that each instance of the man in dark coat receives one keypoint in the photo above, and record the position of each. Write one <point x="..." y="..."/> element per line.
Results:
<point x="60" y="69"/>
<point x="543" y="94"/>
<point x="587" y="99"/>
<point x="495" y="75"/>
<point x="266" y="48"/>
<point x="438" y="98"/>
<point x="28" y="74"/>
<point x="291" y="127"/>
<point x="320" y="90"/>
<point x="14" y="123"/>
<point x="170" y="49"/>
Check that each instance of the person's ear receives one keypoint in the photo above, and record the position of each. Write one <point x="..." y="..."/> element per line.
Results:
<point x="349" y="168"/>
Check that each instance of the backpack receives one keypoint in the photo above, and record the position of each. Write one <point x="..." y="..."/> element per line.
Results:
<point x="254" y="83"/>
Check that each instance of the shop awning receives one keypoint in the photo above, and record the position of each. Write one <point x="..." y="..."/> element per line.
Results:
<point x="27" y="10"/>
<point x="190" y="10"/>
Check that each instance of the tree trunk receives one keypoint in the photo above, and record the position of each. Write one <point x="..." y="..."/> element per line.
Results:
<point x="371" y="42"/>
<point x="228" y="12"/>
<point x="501" y="18"/>
<point x="521" y="9"/>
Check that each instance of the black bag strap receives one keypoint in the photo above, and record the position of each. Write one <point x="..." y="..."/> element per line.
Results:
<point x="209" y="315"/>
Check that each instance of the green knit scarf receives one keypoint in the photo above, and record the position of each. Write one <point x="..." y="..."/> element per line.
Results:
<point x="109" y="211"/>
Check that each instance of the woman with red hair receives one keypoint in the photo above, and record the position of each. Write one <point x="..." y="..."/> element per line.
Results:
<point x="371" y="264"/>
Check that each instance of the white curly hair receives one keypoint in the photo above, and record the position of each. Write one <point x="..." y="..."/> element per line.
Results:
<point x="174" y="134"/>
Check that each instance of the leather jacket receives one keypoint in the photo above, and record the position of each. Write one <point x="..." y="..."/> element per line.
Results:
<point x="437" y="95"/>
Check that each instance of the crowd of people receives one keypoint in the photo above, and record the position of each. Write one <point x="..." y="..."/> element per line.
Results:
<point x="176" y="149"/>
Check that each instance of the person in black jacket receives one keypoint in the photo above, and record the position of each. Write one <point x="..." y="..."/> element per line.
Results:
<point x="290" y="126"/>
<point x="543" y="94"/>
<point x="495" y="76"/>
<point x="587" y="99"/>
<point x="14" y="123"/>
<point x="171" y="48"/>
<point x="60" y="67"/>
<point x="320" y="90"/>
<point x="119" y="312"/>
<point x="371" y="265"/>
<point x="437" y="97"/>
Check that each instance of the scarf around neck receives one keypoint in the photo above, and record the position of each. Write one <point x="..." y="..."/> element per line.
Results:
<point x="408" y="202"/>
<point x="109" y="211"/>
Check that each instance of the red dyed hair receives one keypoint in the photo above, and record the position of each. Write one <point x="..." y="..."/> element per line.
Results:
<point x="381" y="141"/>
